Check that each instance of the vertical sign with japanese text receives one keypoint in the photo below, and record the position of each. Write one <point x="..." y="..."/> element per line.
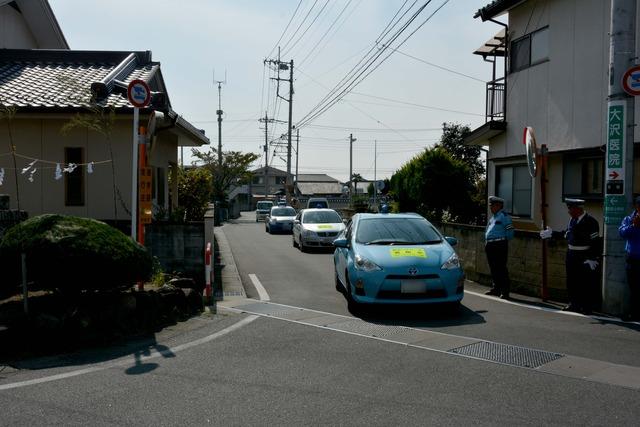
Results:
<point x="615" y="204"/>
<point x="145" y="183"/>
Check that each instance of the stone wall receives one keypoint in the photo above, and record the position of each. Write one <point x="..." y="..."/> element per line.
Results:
<point x="179" y="248"/>
<point x="524" y="264"/>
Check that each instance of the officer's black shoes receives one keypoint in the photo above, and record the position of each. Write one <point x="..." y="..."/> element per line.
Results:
<point x="504" y="296"/>
<point x="493" y="292"/>
<point x="571" y="307"/>
<point x="629" y="317"/>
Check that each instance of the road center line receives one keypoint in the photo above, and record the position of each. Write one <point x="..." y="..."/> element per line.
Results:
<point x="262" y="292"/>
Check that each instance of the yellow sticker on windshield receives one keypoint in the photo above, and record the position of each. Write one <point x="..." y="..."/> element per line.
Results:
<point x="408" y="252"/>
<point x="325" y="227"/>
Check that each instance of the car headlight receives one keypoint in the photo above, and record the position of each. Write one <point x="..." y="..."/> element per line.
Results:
<point x="451" y="263"/>
<point x="365" y="264"/>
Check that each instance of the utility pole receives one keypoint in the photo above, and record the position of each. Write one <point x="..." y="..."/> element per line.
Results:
<point x="375" y="170"/>
<point x="619" y="155"/>
<point x="219" y="113"/>
<point x="297" y="148"/>
<point x="266" y="122"/>
<point x="351" y="141"/>
<point x="284" y="66"/>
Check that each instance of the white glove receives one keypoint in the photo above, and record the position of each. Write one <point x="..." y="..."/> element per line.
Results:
<point x="546" y="233"/>
<point x="592" y="264"/>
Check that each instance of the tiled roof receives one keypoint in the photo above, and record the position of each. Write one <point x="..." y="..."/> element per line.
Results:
<point x="52" y="79"/>
<point x="318" y="188"/>
<point x="315" y="177"/>
<point x="496" y="8"/>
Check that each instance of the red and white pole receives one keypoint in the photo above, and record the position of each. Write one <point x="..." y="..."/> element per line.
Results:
<point x="207" y="272"/>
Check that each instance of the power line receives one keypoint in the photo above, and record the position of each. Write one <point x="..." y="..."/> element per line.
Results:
<point x="325" y="33"/>
<point x="285" y="29"/>
<point x="306" y="30"/>
<point x="359" y="75"/>
<point x="299" y="26"/>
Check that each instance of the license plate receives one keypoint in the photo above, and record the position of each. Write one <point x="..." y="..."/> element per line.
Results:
<point x="412" y="286"/>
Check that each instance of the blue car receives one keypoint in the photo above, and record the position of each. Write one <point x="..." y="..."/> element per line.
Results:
<point x="397" y="259"/>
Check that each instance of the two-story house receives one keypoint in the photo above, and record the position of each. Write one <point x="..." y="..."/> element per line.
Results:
<point x="550" y="64"/>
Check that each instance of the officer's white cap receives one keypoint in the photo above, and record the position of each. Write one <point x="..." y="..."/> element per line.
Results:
<point x="574" y="202"/>
<point x="496" y="199"/>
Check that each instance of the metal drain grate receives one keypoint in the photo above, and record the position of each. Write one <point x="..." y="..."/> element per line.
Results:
<point x="508" y="354"/>
<point x="267" y="309"/>
<point x="365" y="328"/>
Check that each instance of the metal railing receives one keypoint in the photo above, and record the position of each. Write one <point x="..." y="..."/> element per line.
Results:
<point x="496" y="100"/>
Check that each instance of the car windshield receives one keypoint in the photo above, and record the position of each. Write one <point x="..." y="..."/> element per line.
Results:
<point x="321" y="217"/>
<point x="283" y="212"/>
<point x="264" y="205"/>
<point x="396" y="231"/>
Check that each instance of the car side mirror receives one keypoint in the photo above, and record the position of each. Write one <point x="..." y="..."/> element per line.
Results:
<point x="296" y="221"/>
<point x="341" y="243"/>
<point x="451" y="240"/>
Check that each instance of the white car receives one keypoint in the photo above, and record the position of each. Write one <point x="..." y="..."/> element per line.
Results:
<point x="316" y="228"/>
<point x="280" y="218"/>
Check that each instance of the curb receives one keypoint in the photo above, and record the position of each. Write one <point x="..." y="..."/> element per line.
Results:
<point x="230" y="277"/>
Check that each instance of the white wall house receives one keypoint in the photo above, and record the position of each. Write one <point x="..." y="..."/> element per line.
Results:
<point x="557" y="83"/>
<point x="29" y="24"/>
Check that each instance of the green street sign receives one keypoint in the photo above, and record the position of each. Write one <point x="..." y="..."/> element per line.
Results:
<point x="615" y="208"/>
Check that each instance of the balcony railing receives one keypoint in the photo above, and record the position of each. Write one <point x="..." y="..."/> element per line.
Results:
<point x="496" y="100"/>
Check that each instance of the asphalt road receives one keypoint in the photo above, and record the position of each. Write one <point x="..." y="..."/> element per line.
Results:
<point x="233" y="368"/>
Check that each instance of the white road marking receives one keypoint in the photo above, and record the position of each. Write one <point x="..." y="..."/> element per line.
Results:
<point x="127" y="361"/>
<point x="262" y="292"/>
<point x="547" y="309"/>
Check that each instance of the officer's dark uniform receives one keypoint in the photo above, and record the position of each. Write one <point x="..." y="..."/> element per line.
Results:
<point x="497" y="235"/>
<point x="584" y="243"/>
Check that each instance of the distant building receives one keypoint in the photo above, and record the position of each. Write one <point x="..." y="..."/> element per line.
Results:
<point x="322" y="185"/>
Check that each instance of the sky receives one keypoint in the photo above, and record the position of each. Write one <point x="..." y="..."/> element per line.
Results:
<point x="394" y="113"/>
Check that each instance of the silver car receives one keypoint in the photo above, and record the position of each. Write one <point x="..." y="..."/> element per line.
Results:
<point x="280" y="218"/>
<point x="316" y="228"/>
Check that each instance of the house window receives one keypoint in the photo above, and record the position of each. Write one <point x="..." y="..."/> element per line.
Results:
<point x="74" y="181"/>
<point x="259" y="179"/>
<point x="513" y="184"/>
<point x="281" y="180"/>
<point x="530" y="50"/>
<point x="583" y="177"/>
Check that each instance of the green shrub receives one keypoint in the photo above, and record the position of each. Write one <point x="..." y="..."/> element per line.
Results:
<point x="71" y="254"/>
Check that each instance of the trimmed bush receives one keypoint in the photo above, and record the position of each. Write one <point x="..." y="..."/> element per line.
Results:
<point x="71" y="254"/>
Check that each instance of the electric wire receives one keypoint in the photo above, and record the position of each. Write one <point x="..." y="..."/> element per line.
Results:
<point x="286" y="51"/>
<point x="299" y="26"/>
<point x="285" y="29"/>
<point x="360" y="77"/>
<point x="353" y="81"/>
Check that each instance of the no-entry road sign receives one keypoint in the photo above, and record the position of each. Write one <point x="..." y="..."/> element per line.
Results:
<point x="139" y="93"/>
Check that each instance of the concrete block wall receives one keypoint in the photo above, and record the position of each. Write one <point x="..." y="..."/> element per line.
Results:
<point x="524" y="264"/>
<point x="178" y="247"/>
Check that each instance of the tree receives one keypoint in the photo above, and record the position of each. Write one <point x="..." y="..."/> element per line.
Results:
<point x="234" y="170"/>
<point x="194" y="192"/>
<point x="434" y="183"/>
<point x="452" y="140"/>
<point x="356" y="178"/>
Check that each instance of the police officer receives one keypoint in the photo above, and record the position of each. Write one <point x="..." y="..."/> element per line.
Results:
<point x="583" y="253"/>
<point x="630" y="231"/>
<point x="497" y="234"/>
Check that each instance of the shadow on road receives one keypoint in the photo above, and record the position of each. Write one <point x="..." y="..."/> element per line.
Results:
<point x="418" y="316"/>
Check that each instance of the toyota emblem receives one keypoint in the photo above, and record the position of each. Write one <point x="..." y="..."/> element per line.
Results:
<point x="413" y="271"/>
